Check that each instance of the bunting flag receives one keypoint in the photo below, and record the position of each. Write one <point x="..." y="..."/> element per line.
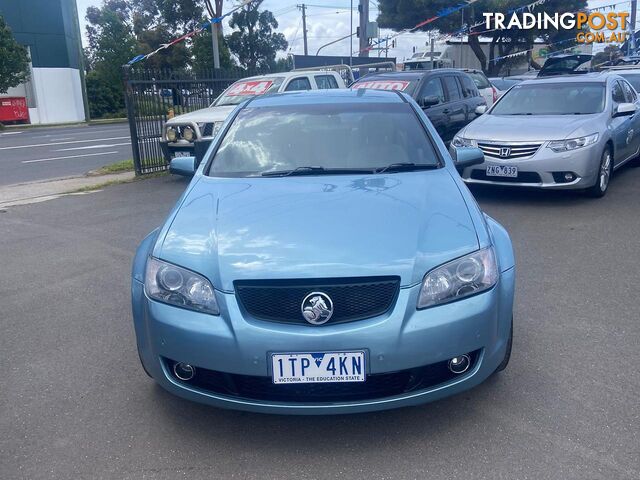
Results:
<point x="203" y="26"/>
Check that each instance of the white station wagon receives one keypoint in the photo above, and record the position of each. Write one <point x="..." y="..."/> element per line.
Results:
<point x="190" y="134"/>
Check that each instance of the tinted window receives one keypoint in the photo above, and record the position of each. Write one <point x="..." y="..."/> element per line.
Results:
<point x="300" y="83"/>
<point x="479" y="79"/>
<point x="453" y="90"/>
<point x="633" y="79"/>
<point x="433" y="87"/>
<point x="617" y="94"/>
<point x="468" y="87"/>
<point x="346" y="135"/>
<point x="552" y="99"/>
<point x="628" y="92"/>
<point x="325" y="82"/>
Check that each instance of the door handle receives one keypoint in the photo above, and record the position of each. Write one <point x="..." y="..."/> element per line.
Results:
<point x="446" y="110"/>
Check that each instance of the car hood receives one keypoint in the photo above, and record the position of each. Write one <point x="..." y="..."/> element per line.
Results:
<point x="401" y="224"/>
<point x="512" y="128"/>
<point x="211" y="114"/>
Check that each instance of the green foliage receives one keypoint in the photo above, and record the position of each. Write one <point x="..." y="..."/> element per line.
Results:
<point x="106" y="99"/>
<point x="254" y="43"/>
<point x="400" y="14"/>
<point x="14" y="60"/>
<point x="202" y="51"/>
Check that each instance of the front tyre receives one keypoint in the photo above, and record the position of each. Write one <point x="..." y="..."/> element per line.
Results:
<point x="599" y="189"/>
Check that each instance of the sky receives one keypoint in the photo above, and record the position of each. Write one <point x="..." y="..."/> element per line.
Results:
<point x="330" y="20"/>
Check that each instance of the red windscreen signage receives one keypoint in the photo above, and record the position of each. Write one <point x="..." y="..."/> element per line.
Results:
<point x="383" y="85"/>
<point x="254" y="87"/>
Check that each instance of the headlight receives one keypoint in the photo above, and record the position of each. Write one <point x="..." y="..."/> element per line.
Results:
<point x="459" y="141"/>
<point x="573" y="143"/>
<point x="188" y="134"/>
<point x="178" y="286"/>
<point x="460" y="278"/>
<point x="172" y="134"/>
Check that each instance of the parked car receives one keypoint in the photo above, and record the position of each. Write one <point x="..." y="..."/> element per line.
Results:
<point x="567" y="132"/>
<point x="502" y="84"/>
<point x="190" y="134"/>
<point x="325" y="258"/>
<point x="449" y="97"/>
<point x="485" y="88"/>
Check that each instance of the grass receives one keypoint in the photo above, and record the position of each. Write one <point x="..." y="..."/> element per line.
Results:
<point x="100" y="186"/>
<point x="118" y="167"/>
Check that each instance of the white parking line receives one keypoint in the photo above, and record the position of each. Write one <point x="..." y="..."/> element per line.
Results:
<point x="70" y="156"/>
<point x="10" y="133"/>
<point x="62" y="143"/>
<point x="84" y="132"/>
<point x="89" y="147"/>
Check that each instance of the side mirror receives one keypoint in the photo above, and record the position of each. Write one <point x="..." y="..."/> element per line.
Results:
<point x="429" y="101"/>
<point x="464" y="157"/>
<point x="625" y="109"/>
<point x="481" y="109"/>
<point x="185" y="166"/>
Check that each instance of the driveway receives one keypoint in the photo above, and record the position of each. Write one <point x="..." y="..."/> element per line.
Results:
<point x="74" y="402"/>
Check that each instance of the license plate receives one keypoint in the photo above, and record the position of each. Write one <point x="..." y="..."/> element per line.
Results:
<point x="182" y="154"/>
<point x="322" y="367"/>
<point x="502" y="171"/>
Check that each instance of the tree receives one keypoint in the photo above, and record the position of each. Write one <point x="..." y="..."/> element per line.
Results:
<point x="111" y="45"/>
<point x="254" y="43"/>
<point x="202" y="51"/>
<point x="611" y="53"/>
<point x="400" y="14"/>
<point x="14" y="64"/>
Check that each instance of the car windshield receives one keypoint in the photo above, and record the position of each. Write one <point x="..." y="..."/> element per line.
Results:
<point x="479" y="79"/>
<point x="580" y="98"/>
<point x="324" y="139"/>
<point x="243" y="89"/>
<point x="503" y="83"/>
<point x="633" y="79"/>
<point x="406" y="85"/>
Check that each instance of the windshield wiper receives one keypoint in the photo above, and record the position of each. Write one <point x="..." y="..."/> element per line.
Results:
<point x="405" y="166"/>
<point x="312" y="170"/>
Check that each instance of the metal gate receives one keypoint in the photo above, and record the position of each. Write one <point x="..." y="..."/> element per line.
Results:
<point x="153" y="96"/>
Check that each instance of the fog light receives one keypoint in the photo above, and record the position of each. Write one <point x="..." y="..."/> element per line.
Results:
<point x="188" y="134"/>
<point x="460" y="364"/>
<point x="569" y="177"/>
<point x="184" y="371"/>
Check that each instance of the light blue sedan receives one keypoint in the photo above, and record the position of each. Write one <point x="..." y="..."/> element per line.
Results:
<point x="325" y="258"/>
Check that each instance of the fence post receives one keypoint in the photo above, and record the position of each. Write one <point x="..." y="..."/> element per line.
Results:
<point x="131" y="116"/>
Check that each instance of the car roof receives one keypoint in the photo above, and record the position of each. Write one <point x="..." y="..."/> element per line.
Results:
<point x="293" y="73"/>
<point x="590" y="77"/>
<point x="409" y="74"/>
<point x="328" y="96"/>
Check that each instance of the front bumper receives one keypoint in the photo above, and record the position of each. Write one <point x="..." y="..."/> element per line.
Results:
<point x="545" y="169"/>
<point x="402" y="339"/>
<point x="196" y="149"/>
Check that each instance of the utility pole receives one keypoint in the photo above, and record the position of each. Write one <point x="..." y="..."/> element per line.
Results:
<point x="632" y="25"/>
<point x="363" y="10"/>
<point x="215" y="11"/>
<point x="303" y="7"/>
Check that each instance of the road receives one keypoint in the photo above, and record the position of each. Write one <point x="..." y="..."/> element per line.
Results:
<point x="52" y="152"/>
<point x="74" y="402"/>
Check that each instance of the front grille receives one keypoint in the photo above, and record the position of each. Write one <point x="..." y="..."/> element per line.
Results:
<point x="508" y="151"/>
<point x="353" y="298"/>
<point x="379" y="385"/>
<point x="523" y="177"/>
<point x="207" y="129"/>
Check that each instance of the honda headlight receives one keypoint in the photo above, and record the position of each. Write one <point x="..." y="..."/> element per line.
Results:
<point x="178" y="286"/>
<point x="465" y="276"/>
<point x="459" y="142"/>
<point x="573" y="143"/>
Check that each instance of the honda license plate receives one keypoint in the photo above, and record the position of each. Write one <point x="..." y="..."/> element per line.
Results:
<point x="502" y="171"/>
<point x="320" y="367"/>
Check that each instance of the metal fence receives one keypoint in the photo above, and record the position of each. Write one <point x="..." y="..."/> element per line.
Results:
<point x="153" y="96"/>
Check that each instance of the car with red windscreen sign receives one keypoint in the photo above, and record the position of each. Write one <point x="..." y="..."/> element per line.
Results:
<point x="449" y="97"/>
<point x="189" y="135"/>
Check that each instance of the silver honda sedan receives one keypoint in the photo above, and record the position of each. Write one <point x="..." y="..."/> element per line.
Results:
<point x="568" y="132"/>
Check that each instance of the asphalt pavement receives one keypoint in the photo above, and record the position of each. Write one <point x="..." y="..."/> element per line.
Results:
<point x="74" y="402"/>
<point x="32" y="154"/>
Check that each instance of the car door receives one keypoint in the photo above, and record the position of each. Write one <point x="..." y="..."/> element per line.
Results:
<point x="473" y="97"/>
<point x="455" y="109"/>
<point x="432" y="87"/>
<point x="621" y="126"/>
<point x="633" y="135"/>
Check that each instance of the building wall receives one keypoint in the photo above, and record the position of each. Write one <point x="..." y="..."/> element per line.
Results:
<point x="49" y="29"/>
